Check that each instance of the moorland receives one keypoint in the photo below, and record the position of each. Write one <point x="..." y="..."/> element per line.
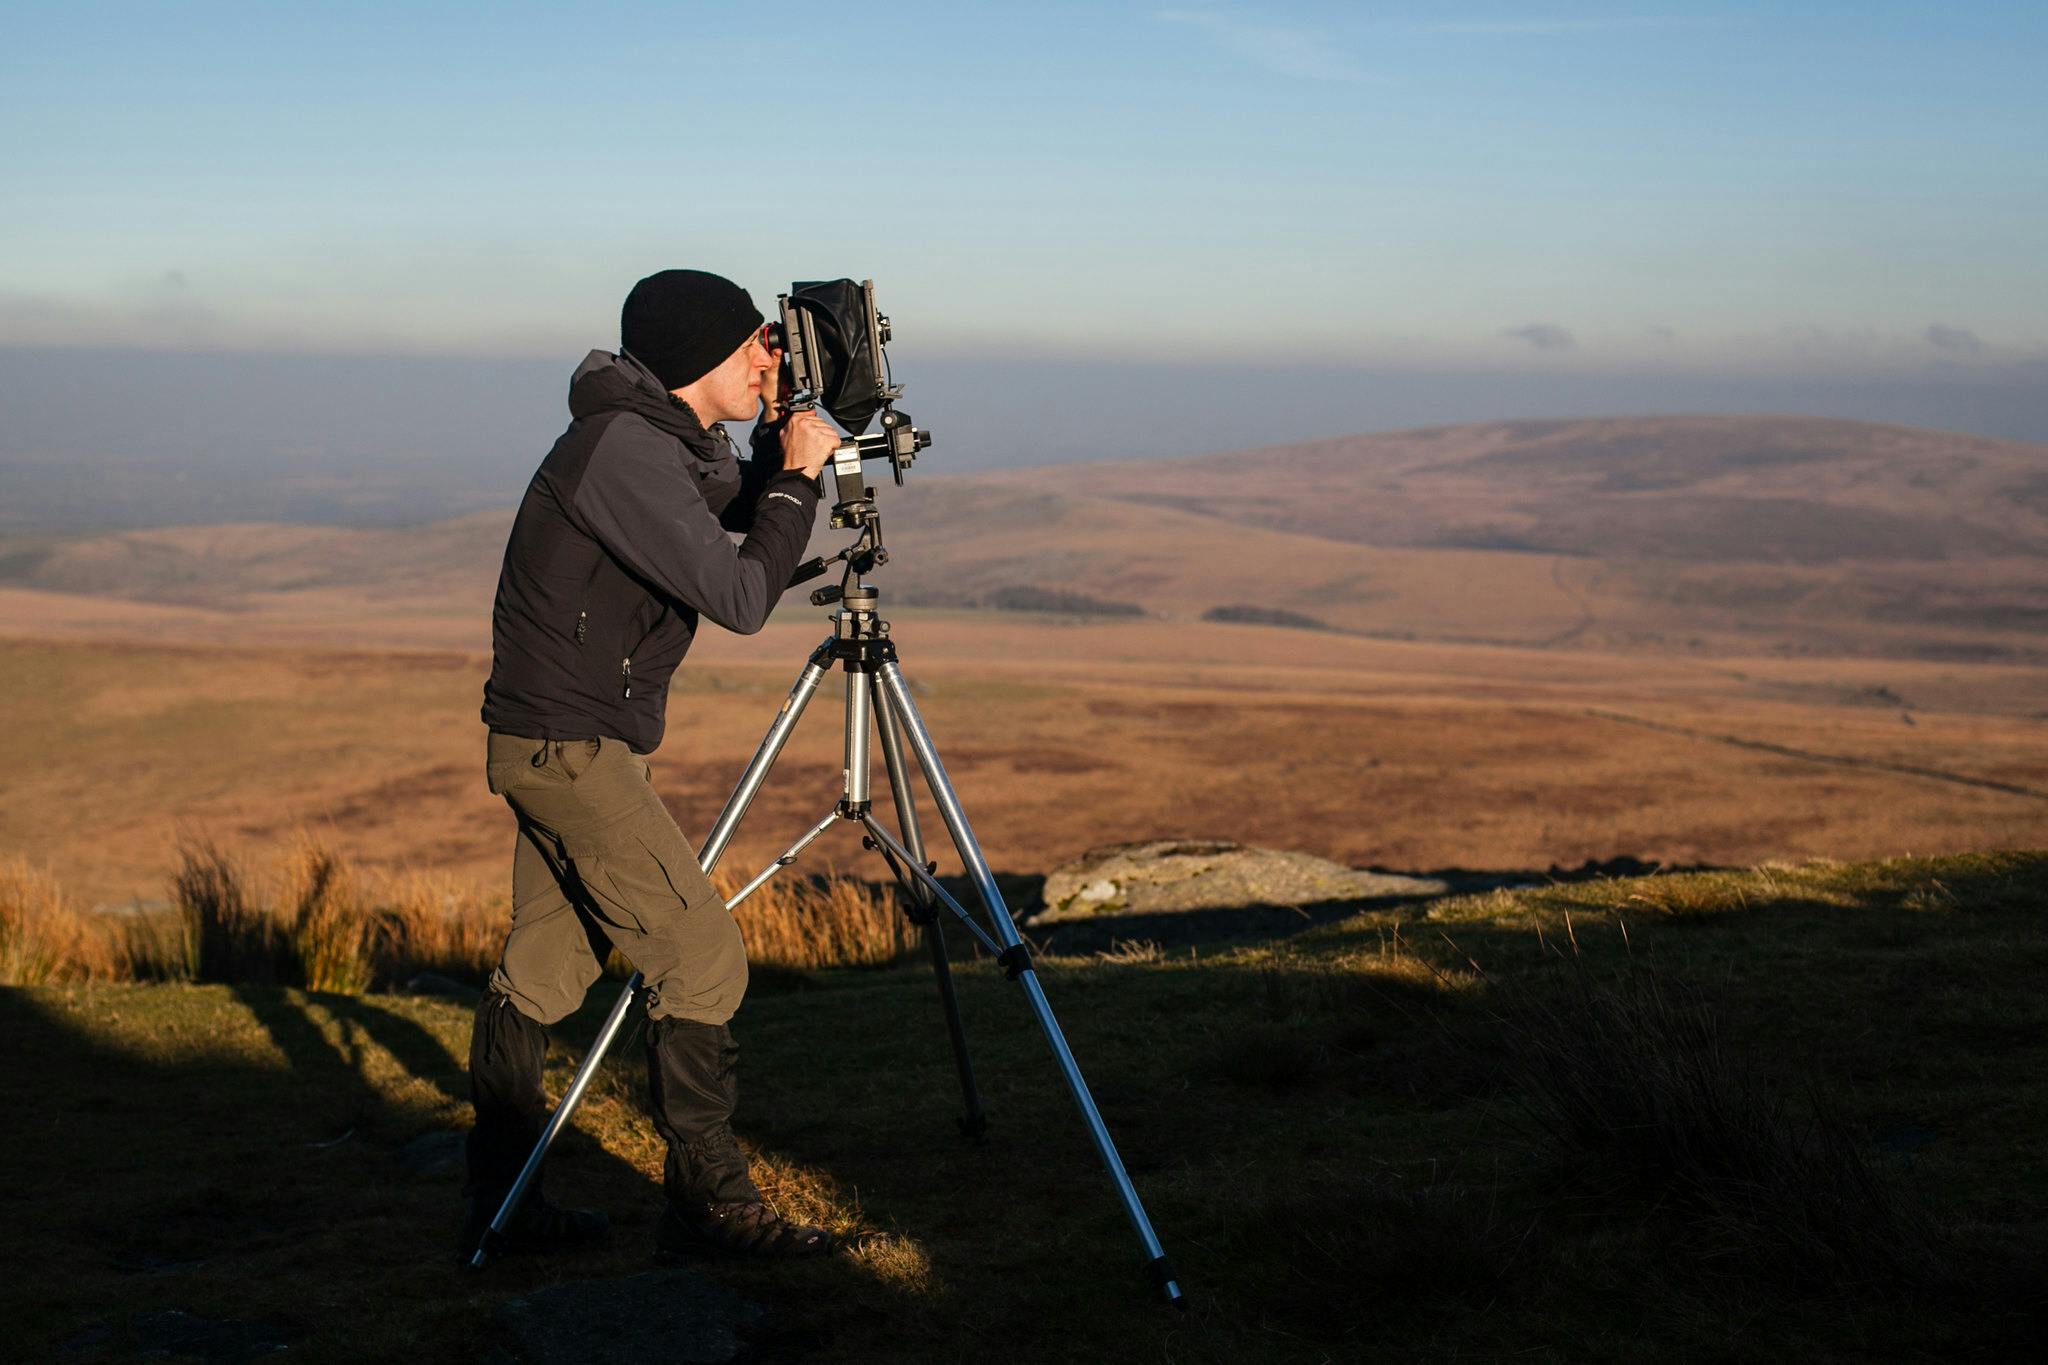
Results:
<point x="1807" y="659"/>
<point x="1686" y="641"/>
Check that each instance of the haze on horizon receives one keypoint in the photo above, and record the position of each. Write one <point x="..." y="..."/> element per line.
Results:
<point x="1127" y="229"/>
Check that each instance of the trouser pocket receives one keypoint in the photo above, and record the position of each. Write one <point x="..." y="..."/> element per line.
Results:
<point x="665" y="916"/>
<point x="512" y="761"/>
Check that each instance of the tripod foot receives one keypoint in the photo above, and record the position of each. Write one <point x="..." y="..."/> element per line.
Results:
<point x="1162" y="1274"/>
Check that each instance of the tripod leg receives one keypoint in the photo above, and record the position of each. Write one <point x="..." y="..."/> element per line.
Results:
<point x="721" y="833"/>
<point x="1018" y="964"/>
<point x="556" y="1123"/>
<point x="789" y="856"/>
<point x="975" y="1122"/>
<point x="750" y="781"/>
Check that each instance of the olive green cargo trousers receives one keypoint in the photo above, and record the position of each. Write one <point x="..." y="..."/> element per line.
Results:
<point x="598" y="858"/>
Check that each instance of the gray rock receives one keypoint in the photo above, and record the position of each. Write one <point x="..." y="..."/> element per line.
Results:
<point x="1164" y="876"/>
<point x="674" y="1316"/>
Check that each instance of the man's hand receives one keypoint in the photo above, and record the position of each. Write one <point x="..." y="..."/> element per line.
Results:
<point x="808" y="442"/>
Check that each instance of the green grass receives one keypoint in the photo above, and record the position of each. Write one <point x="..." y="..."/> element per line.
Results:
<point x="1803" y="1108"/>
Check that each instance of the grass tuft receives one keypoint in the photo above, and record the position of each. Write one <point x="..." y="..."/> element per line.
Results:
<point x="810" y="923"/>
<point x="1689" y="896"/>
<point x="315" y="920"/>
<point x="158" y="946"/>
<point x="431" y="922"/>
<point x="39" y="931"/>
<point x="330" y="931"/>
<point x="233" y="938"/>
<point x="1132" y="952"/>
<point x="1628" y="1077"/>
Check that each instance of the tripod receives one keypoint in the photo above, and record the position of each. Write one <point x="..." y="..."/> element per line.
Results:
<point x="878" y="699"/>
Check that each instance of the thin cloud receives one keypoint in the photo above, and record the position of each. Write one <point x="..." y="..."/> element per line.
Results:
<point x="1954" y="340"/>
<point x="1562" y="27"/>
<point x="1544" y="336"/>
<point x="1297" y="53"/>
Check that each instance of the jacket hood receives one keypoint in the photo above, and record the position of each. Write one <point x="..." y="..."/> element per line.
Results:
<point x="618" y="383"/>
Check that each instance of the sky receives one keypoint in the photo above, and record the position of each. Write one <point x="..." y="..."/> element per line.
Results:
<point x="1851" y="195"/>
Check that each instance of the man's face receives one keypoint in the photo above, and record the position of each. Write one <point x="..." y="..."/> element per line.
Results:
<point x="732" y="392"/>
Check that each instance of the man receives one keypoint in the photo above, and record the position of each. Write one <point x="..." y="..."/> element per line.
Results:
<point x="619" y="548"/>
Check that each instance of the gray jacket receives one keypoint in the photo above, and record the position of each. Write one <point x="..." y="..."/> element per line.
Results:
<point x="620" y="545"/>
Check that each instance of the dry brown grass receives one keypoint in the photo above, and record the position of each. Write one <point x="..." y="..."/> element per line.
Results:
<point x="33" y="924"/>
<point x="43" y="938"/>
<point x="331" y="932"/>
<point x="436" y="922"/>
<point x="310" y="917"/>
<point x="234" y="936"/>
<point x="806" y="923"/>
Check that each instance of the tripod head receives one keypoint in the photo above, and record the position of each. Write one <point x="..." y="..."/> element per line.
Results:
<point x="898" y="442"/>
<point x="864" y="556"/>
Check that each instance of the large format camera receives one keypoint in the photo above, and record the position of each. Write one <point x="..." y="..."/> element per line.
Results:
<point x="832" y="342"/>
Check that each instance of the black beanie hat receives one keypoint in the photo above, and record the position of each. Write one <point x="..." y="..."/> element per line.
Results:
<point x="682" y="323"/>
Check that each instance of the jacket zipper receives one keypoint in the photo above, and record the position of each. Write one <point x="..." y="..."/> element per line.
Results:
<point x="626" y="663"/>
<point x="583" y="609"/>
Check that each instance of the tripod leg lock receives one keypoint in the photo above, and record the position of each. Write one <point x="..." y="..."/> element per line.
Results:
<point x="1014" y="960"/>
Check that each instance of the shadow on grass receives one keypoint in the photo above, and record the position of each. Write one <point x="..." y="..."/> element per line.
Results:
<point x="1326" y="1133"/>
<point x="223" y="1172"/>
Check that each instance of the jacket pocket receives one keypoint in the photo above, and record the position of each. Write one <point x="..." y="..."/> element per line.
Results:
<point x="626" y="659"/>
<point x="580" y="627"/>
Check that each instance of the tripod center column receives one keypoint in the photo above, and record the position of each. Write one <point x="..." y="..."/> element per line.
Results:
<point x="856" y="626"/>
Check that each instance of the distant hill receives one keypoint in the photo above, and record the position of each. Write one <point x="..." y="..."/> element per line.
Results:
<point x="1793" y="534"/>
<point x="222" y="566"/>
<point x="1711" y="533"/>
<point x="1719" y="489"/>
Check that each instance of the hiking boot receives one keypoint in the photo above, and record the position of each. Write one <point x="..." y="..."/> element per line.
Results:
<point x="743" y="1227"/>
<point x="713" y="1204"/>
<point x="538" y="1228"/>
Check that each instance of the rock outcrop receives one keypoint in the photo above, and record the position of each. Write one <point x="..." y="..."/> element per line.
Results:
<point x="1166" y="876"/>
